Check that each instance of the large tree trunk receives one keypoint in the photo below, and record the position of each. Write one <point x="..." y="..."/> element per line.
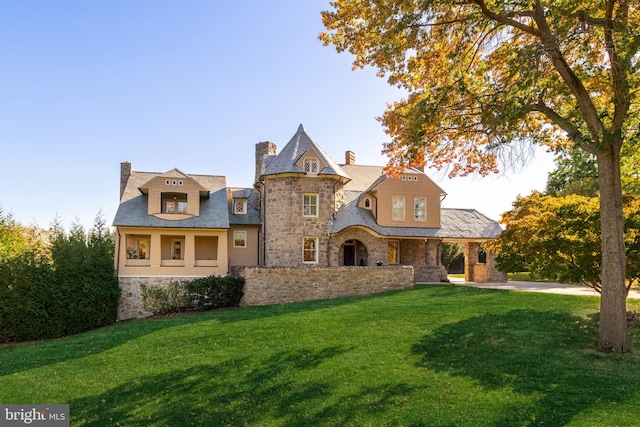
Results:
<point x="612" y="332"/>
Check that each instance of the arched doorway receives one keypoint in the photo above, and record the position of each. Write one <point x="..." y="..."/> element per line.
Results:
<point x="354" y="252"/>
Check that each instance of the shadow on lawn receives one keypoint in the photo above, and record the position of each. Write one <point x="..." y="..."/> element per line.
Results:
<point x="533" y="353"/>
<point x="19" y="357"/>
<point x="236" y="392"/>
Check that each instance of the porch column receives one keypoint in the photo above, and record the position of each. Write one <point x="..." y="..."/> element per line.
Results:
<point x="470" y="260"/>
<point x="432" y="253"/>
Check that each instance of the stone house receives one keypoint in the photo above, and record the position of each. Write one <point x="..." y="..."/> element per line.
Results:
<point x="305" y="210"/>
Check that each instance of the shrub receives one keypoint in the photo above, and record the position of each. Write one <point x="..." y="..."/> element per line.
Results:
<point x="160" y="300"/>
<point x="55" y="283"/>
<point x="204" y="293"/>
<point x="215" y="291"/>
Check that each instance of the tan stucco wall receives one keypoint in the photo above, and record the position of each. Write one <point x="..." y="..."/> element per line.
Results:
<point x="410" y="189"/>
<point x="244" y="256"/>
<point x="158" y="266"/>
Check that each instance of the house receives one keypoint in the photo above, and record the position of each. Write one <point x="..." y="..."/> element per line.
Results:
<point x="305" y="210"/>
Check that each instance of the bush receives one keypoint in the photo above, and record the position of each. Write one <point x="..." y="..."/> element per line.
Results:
<point x="204" y="293"/>
<point x="159" y="300"/>
<point x="55" y="283"/>
<point x="215" y="291"/>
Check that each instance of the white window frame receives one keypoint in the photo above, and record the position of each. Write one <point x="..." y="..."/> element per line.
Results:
<point x="367" y="202"/>
<point x="416" y="209"/>
<point x="397" y="253"/>
<point x="236" y="238"/>
<point x="311" y="166"/>
<point x="398" y="205"/>
<point x="308" y="206"/>
<point x="242" y="203"/>
<point x="306" y="250"/>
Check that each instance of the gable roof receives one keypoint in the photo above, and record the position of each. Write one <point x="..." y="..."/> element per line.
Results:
<point x="300" y="143"/>
<point x="454" y="223"/>
<point x="172" y="174"/>
<point x="132" y="211"/>
<point x="368" y="178"/>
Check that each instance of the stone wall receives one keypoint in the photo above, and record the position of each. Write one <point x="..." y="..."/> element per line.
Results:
<point x="429" y="273"/>
<point x="288" y="284"/>
<point x="284" y="226"/>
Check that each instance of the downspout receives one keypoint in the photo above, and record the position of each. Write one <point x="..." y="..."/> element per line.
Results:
<point x="118" y="253"/>
<point x="263" y="209"/>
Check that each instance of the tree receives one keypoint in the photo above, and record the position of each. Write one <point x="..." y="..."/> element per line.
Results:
<point x="576" y="172"/>
<point x="557" y="238"/>
<point x="485" y="78"/>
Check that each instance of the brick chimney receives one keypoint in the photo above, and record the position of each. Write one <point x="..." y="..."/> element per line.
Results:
<point x="125" y="171"/>
<point x="349" y="158"/>
<point x="263" y="149"/>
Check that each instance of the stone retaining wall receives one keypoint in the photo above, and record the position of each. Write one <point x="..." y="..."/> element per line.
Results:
<point x="430" y="274"/>
<point x="276" y="285"/>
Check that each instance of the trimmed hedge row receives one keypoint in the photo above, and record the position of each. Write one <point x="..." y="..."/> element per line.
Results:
<point x="55" y="286"/>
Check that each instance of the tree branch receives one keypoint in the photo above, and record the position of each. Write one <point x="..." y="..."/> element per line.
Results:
<point x="507" y="20"/>
<point x="620" y="88"/>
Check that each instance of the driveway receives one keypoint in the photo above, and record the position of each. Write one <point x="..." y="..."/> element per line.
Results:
<point x="553" y="288"/>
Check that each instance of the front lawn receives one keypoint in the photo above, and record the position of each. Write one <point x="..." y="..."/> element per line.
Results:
<point x="428" y="356"/>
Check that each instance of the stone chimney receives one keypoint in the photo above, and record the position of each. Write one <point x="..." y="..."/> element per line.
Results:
<point x="263" y="149"/>
<point x="349" y="158"/>
<point x="125" y="171"/>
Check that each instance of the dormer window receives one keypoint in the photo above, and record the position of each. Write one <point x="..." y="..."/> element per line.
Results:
<point x="240" y="206"/>
<point x="311" y="166"/>
<point x="174" y="203"/>
<point x="367" y="203"/>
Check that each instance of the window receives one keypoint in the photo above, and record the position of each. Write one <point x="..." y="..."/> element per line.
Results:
<point x="310" y="250"/>
<point x="141" y="248"/>
<point x="311" y="166"/>
<point x="367" y="203"/>
<point x="419" y="210"/>
<point x="176" y="249"/>
<point x="239" y="239"/>
<point x="138" y="247"/>
<point x="393" y="256"/>
<point x="310" y="205"/>
<point x="398" y="208"/>
<point x="240" y="206"/>
<point x="174" y="203"/>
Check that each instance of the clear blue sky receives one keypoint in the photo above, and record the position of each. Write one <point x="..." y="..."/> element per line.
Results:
<point x="192" y="84"/>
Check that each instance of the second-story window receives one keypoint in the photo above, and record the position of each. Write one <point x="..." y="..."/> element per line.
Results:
<point x="398" y="208"/>
<point x="174" y="203"/>
<point x="310" y="204"/>
<point x="420" y="209"/>
<point x="311" y="166"/>
<point x="240" y="206"/>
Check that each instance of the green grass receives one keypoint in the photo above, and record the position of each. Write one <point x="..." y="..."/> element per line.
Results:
<point x="428" y="356"/>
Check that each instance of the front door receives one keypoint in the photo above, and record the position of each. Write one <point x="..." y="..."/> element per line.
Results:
<point x="349" y="254"/>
